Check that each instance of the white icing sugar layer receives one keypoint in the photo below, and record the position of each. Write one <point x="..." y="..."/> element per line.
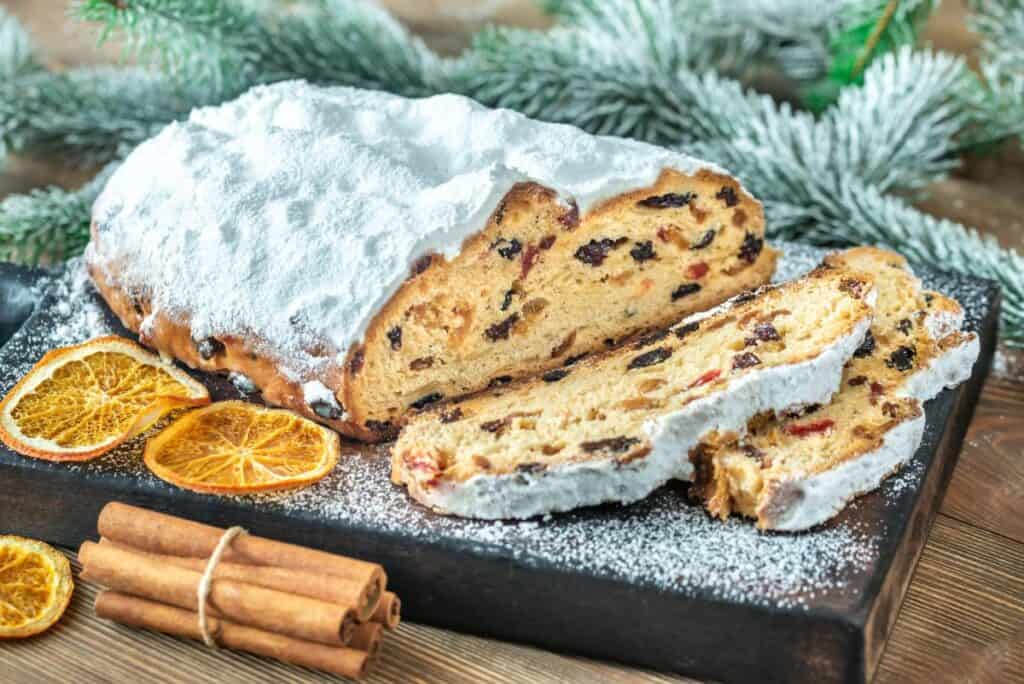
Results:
<point x="672" y="436"/>
<point x="291" y="214"/>
<point x="819" y="497"/>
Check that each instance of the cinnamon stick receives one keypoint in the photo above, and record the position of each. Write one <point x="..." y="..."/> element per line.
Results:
<point x="166" y="534"/>
<point x="274" y="611"/>
<point x="367" y="637"/>
<point x="322" y="587"/>
<point x="138" y="612"/>
<point x="389" y="611"/>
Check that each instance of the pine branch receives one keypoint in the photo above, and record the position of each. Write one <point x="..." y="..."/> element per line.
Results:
<point x="49" y="224"/>
<point x="823" y="180"/>
<point x="16" y="54"/>
<point x="999" y="100"/>
<point x="90" y="116"/>
<point x="336" y="42"/>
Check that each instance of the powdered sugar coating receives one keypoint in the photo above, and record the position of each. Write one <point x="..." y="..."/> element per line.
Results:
<point x="294" y="212"/>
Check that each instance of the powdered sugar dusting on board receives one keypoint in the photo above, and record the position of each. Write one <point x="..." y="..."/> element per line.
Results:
<point x="662" y="542"/>
<point x="295" y="212"/>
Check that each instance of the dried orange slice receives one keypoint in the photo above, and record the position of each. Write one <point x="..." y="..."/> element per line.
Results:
<point x="233" y="447"/>
<point x="80" y="402"/>
<point x="35" y="586"/>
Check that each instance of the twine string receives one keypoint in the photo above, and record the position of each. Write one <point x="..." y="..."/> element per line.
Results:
<point x="203" y="593"/>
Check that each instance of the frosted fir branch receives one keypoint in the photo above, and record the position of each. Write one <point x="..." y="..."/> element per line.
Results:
<point x="90" y="116"/>
<point x="862" y="214"/>
<point x="340" y="42"/>
<point x="49" y="224"/>
<point x="999" y="100"/>
<point x="17" y="56"/>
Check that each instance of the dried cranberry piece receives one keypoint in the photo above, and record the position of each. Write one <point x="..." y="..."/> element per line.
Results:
<point x="547" y="242"/>
<point x="613" y="444"/>
<point x="427" y="400"/>
<point x="596" y="251"/>
<point x="867" y="347"/>
<point x="554" y="375"/>
<point x="697" y="270"/>
<point x="856" y="381"/>
<point x="529" y="260"/>
<point x="727" y="195"/>
<point x="508" y="249"/>
<point x="766" y="332"/>
<point x="902" y="359"/>
<point x="500" y="331"/>
<point x="684" y="330"/>
<point x="209" y="347"/>
<point x="704" y="379"/>
<point x="685" y="290"/>
<point x="745" y="360"/>
<point x="705" y="240"/>
<point x="650" y="358"/>
<point x="751" y="248"/>
<point x="395" y="337"/>
<point x="643" y="251"/>
<point x="667" y="201"/>
<point x="808" y="428"/>
<point x="451" y="416"/>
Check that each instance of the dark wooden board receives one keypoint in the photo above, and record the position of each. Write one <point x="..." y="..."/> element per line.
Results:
<point x="498" y="580"/>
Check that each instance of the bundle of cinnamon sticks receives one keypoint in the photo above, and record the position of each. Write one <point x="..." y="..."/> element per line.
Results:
<point x="296" y="604"/>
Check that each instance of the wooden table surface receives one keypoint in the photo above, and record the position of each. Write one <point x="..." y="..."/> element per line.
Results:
<point x="963" y="616"/>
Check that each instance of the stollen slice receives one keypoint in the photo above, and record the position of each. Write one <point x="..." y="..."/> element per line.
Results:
<point x="801" y="468"/>
<point x="616" y="426"/>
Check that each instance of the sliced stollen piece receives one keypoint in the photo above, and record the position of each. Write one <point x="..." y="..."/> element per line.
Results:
<point x="802" y="468"/>
<point x="358" y="255"/>
<point x="616" y="426"/>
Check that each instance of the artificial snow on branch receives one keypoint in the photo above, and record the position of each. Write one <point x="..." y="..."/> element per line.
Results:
<point x="48" y="224"/>
<point x="235" y="46"/>
<point x="90" y="116"/>
<point x="1000" y="100"/>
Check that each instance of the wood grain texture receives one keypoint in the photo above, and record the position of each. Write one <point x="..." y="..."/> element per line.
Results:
<point x="963" y="618"/>
<point x="988" y="485"/>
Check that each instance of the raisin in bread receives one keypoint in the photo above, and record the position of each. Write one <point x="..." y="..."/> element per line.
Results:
<point x="801" y="469"/>
<point x="614" y="427"/>
<point x="357" y="255"/>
